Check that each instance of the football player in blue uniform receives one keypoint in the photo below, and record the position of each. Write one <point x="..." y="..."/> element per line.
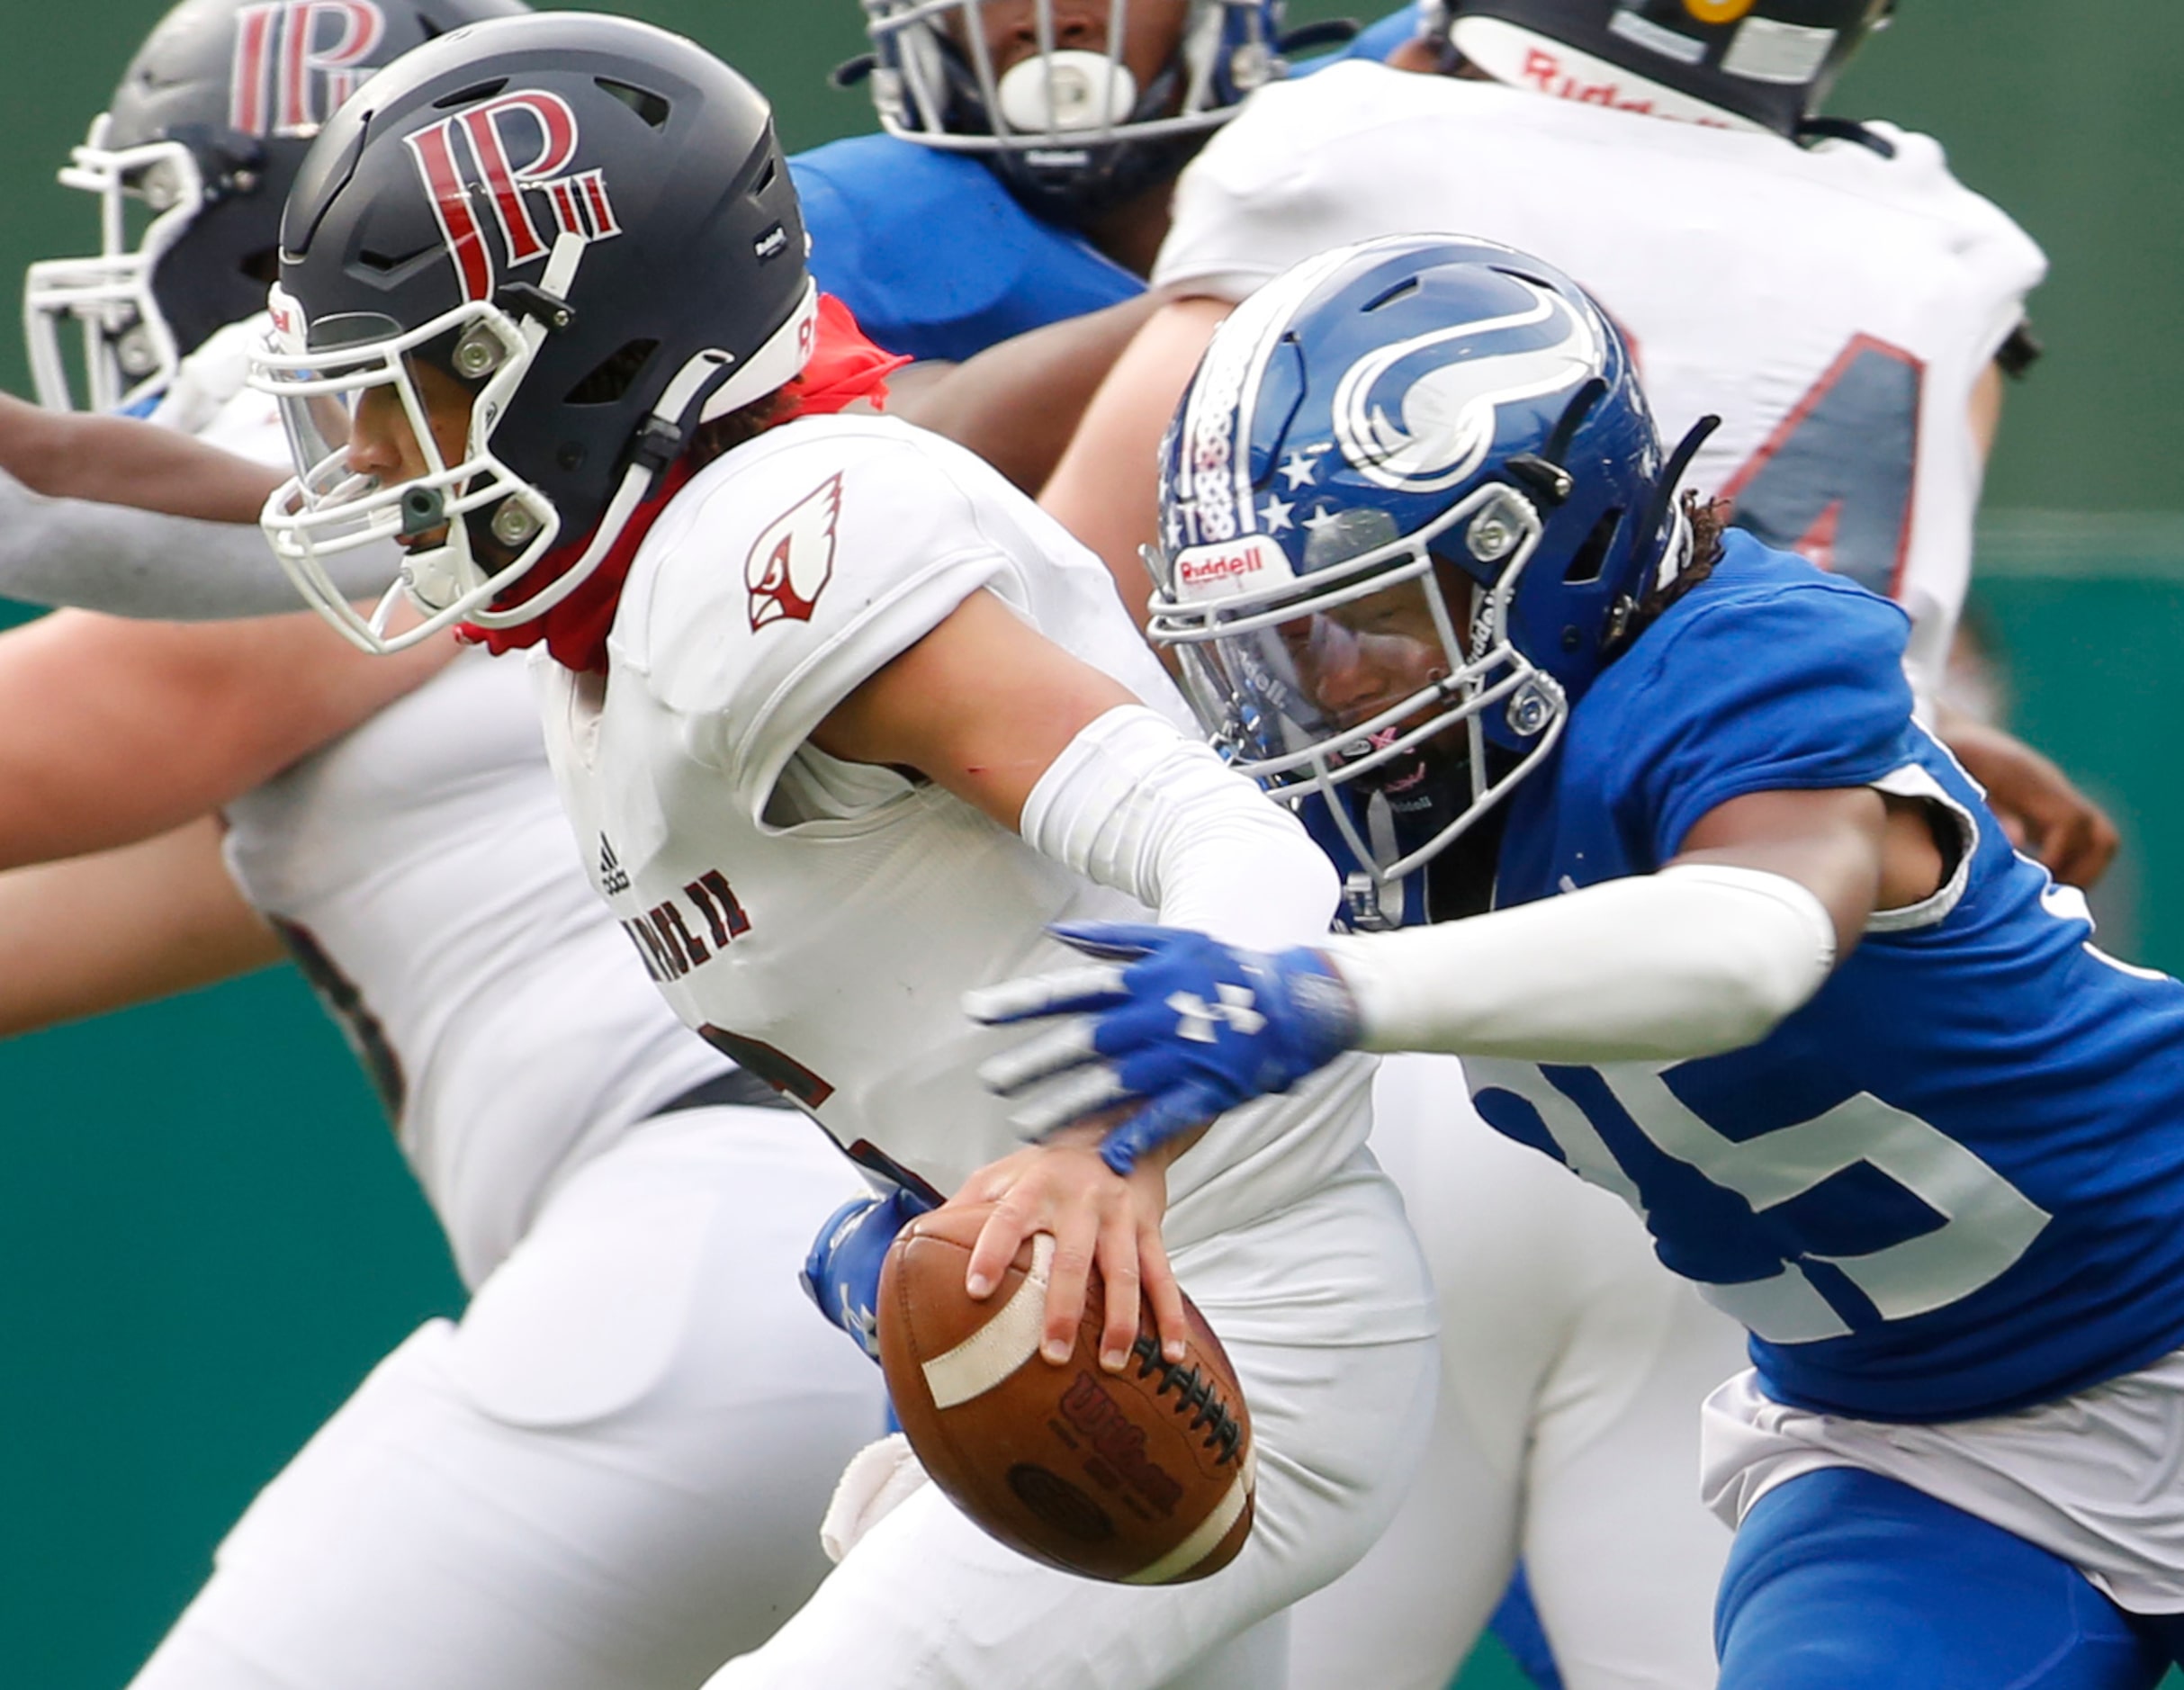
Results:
<point x="1713" y="922"/>
<point x="1027" y="156"/>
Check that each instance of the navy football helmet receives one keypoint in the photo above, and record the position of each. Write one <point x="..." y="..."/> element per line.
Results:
<point x="1067" y="127"/>
<point x="1411" y="502"/>
<point x="584" y="223"/>
<point x="1764" y="63"/>
<point x="198" y="148"/>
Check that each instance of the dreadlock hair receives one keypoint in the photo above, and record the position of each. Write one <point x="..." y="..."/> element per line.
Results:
<point x="1708" y="518"/>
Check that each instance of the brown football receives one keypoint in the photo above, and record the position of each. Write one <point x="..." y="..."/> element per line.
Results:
<point x="1143" y="1477"/>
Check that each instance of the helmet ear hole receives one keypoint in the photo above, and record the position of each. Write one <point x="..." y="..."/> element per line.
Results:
<point x="1591" y="558"/>
<point x="609" y="379"/>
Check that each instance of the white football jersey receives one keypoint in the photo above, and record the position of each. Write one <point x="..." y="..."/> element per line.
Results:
<point x="421" y="872"/>
<point x="820" y="921"/>
<point x="1835" y="308"/>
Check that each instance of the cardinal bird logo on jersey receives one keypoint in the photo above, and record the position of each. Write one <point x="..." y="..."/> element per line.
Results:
<point x="537" y="127"/>
<point x="1448" y="411"/>
<point x="295" y="60"/>
<point x="794" y="560"/>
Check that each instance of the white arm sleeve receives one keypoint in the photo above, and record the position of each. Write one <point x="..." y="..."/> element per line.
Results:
<point x="133" y="563"/>
<point x="1692" y="961"/>
<point x="1137" y="804"/>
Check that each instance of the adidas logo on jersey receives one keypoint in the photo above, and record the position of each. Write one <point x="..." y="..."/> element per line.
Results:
<point x="613" y="877"/>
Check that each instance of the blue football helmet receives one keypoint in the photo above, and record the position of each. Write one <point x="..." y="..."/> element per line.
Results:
<point x="1065" y="122"/>
<point x="1410" y="503"/>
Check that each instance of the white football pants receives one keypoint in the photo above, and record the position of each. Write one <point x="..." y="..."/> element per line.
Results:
<point x="926" y="1601"/>
<point x="609" y="1475"/>
<point x="1573" y="1368"/>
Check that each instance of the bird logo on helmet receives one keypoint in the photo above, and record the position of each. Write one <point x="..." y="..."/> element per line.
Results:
<point x="190" y="163"/>
<point x="536" y="257"/>
<point x="1741" y="64"/>
<point x="1411" y="503"/>
<point x="1068" y="124"/>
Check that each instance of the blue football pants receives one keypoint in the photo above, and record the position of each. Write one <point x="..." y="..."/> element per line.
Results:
<point x="1844" y="1580"/>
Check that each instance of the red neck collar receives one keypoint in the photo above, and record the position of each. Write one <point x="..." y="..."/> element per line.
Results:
<point x="844" y="369"/>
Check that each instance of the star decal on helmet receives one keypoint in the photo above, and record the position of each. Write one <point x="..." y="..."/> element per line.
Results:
<point x="1301" y="469"/>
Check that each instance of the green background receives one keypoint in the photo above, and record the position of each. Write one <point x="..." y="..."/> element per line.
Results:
<point x="205" y="1233"/>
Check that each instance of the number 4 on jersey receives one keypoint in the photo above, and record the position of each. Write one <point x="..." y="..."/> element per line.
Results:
<point x="1834" y="481"/>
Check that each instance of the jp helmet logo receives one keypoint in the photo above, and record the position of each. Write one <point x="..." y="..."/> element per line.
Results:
<point x="791" y="562"/>
<point x="1448" y="412"/>
<point x="295" y="60"/>
<point x="540" y="128"/>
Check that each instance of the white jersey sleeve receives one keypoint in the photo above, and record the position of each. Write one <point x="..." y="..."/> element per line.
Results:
<point x="867" y="537"/>
<point x="1834" y="306"/>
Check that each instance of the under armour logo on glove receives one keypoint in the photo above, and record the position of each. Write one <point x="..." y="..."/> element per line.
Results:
<point x="1199" y="1018"/>
<point x="1178" y="1023"/>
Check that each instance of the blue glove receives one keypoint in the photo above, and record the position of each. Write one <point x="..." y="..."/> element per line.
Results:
<point x="1189" y="1028"/>
<point x="843" y="1272"/>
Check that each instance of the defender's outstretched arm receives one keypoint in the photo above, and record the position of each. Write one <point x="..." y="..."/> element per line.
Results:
<point x="1766" y="895"/>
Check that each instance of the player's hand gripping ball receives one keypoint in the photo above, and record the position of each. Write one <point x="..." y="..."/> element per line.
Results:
<point x="1143" y="1477"/>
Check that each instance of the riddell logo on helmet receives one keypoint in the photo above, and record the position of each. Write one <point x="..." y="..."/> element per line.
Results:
<point x="1546" y="72"/>
<point x="1549" y="73"/>
<point x="493" y="133"/>
<point x="295" y="60"/>
<point x="1234" y="566"/>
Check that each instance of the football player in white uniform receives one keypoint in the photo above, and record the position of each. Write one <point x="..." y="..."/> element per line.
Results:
<point x="842" y="721"/>
<point x="612" y="1469"/>
<point x="1842" y="303"/>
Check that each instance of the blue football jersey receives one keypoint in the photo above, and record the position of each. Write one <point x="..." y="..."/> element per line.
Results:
<point x="1953" y="1183"/>
<point x="932" y="255"/>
